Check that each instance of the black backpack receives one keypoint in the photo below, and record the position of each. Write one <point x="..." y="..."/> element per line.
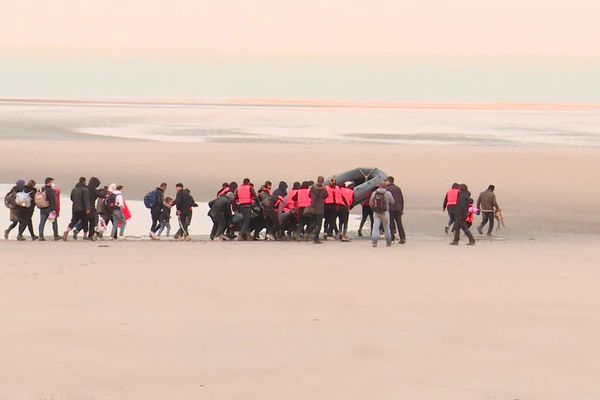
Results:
<point x="379" y="202"/>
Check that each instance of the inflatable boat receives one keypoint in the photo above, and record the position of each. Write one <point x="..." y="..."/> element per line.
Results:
<point x="365" y="181"/>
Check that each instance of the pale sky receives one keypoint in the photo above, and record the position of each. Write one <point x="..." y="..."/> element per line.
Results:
<point x="370" y="35"/>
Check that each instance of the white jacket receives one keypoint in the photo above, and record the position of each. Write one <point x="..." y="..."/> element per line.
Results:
<point x="119" y="200"/>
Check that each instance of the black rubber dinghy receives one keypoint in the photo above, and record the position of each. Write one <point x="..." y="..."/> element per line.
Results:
<point x="365" y="181"/>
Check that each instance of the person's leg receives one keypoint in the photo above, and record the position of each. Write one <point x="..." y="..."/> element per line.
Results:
<point x="392" y="219"/>
<point x="468" y="233"/>
<point x="457" y="227"/>
<point x="330" y="215"/>
<point x="247" y="214"/>
<point x="399" y="226"/>
<point x="317" y="227"/>
<point x="55" y="228"/>
<point x="161" y="228"/>
<point x="375" y="228"/>
<point x="344" y="218"/>
<point x="155" y="225"/>
<point x="43" y="218"/>
<point x="363" y="219"/>
<point x="115" y="223"/>
<point x="92" y="222"/>
<point x="30" y="212"/>
<point x="491" y="225"/>
<point x="123" y="225"/>
<point x="385" y="219"/>
<point x="221" y="224"/>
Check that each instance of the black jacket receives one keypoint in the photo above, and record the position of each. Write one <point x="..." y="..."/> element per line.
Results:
<point x="165" y="214"/>
<point x="184" y="202"/>
<point x="462" y="207"/>
<point x="160" y="199"/>
<point x="80" y="196"/>
<point x="94" y="192"/>
<point x="51" y="197"/>
<point x="220" y="205"/>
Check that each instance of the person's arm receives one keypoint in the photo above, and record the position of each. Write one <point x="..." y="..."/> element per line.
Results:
<point x="445" y="202"/>
<point x="371" y="199"/>
<point x="495" y="202"/>
<point x="479" y="202"/>
<point x="390" y="198"/>
<point x="401" y="202"/>
<point x="86" y="200"/>
<point x="51" y="199"/>
<point x="254" y="196"/>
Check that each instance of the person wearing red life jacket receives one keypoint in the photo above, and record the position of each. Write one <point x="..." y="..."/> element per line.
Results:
<point x="266" y="188"/>
<point x="367" y="212"/>
<point x="347" y="197"/>
<point x="224" y="190"/>
<point x="331" y="208"/>
<point x="291" y="208"/>
<point x="245" y="197"/>
<point x="302" y="201"/>
<point x="450" y="201"/>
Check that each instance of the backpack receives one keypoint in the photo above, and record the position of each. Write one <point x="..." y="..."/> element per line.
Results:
<point x="379" y="203"/>
<point x="10" y="200"/>
<point x="23" y="199"/>
<point x="41" y="200"/>
<point x="110" y="201"/>
<point x="150" y="199"/>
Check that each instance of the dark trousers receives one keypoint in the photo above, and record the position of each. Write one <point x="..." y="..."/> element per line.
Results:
<point x="25" y="215"/>
<point x="396" y="225"/>
<point x="272" y="222"/>
<point x="92" y="222"/>
<point x="219" y="223"/>
<point x="246" y="211"/>
<point x="330" y="217"/>
<point x="344" y="215"/>
<point x="367" y="212"/>
<point x="462" y="225"/>
<point x="451" y="217"/>
<point x="184" y="223"/>
<point x="155" y="213"/>
<point x="44" y="213"/>
<point x="316" y="226"/>
<point x="77" y="217"/>
<point x="488" y="216"/>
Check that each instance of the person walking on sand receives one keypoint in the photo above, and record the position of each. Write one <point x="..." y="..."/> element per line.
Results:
<point x="80" y="197"/>
<point x="461" y="213"/>
<point x="450" y="204"/>
<point x="367" y="212"/>
<point x="220" y="213"/>
<point x="95" y="194"/>
<point x="48" y="212"/>
<point x="155" y="201"/>
<point x="26" y="208"/>
<point x="396" y="210"/>
<point x="380" y="204"/>
<point x="165" y="218"/>
<point x="118" y="215"/>
<point x="318" y="195"/>
<point x="184" y="203"/>
<point x="488" y="205"/>
<point x="11" y="203"/>
<point x="245" y="196"/>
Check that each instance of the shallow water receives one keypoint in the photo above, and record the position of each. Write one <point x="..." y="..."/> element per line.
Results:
<point x="277" y="124"/>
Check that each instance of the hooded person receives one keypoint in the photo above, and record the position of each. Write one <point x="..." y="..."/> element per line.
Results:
<point x="281" y="189"/>
<point x="94" y="194"/>
<point x="10" y="203"/>
<point x="80" y="197"/>
<point x="50" y="211"/>
<point x="26" y="212"/>
<point x="318" y="195"/>
<point x="461" y="212"/>
<point x="220" y="213"/>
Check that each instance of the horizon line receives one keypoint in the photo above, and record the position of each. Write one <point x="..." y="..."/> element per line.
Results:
<point x="300" y="103"/>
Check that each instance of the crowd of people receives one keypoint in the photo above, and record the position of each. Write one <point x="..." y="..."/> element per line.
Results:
<point x="309" y="211"/>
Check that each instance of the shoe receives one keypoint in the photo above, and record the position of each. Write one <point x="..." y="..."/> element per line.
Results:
<point x="188" y="238"/>
<point x="75" y="233"/>
<point x="471" y="243"/>
<point x="360" y="233"/>
<point x="20" y="238"/>
<point x="403" y="241"/>
<point x="57" y="238"/>
<point x="41" y="239"/>
<point x="34" y="238"/>
<point x="480" y="230"/>
<point x="388" y="245"/>
<point x="453" y="243"/>
<point x="317" y="241"/>
<point x="6" y="232"/>
<point x="489" y="234"/>
<point x="446" y="229"/>
<point x="152" y="235"/>
<point x="65" y="236"/>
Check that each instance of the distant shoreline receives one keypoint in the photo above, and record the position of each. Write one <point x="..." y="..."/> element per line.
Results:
<point x="301" y="104"/>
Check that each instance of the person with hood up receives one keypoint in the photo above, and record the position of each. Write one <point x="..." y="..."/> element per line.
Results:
<point x="281" y="190"/>
<point x="10" y="203"/>
<point x="118" y="215"/>
<point x="461" y="212"/>
<point x="157" y="207"/>
<point x="220" y="213"/>
<point x="317" y="195"/>
<point x="95" y="194"/>
<point x="26" y="213"/>
<point x="80" y="197"/>
<point x="49" y="212"/>
<point x="380" y="204"/>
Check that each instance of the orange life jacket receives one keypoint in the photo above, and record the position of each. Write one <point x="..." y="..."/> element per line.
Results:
<point x="348" y="195"/>
<point x="331" y="194"/>
<point x="223" y="191"/>
<point x="303" y="198"/>
<point x="452" y="197"/>
<point x="244" y="195"/>
<point x="291" y="204"/>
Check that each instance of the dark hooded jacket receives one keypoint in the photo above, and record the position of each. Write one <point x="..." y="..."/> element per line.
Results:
<point x="80" y="196"/>
<point x="95" y="193"/>
<point x="184" y="202"/>
<point x="51" y="197"/>
<point x="281" y="190"/>
<point x="462" y="207"/>
<point x="317" y="194"/>
<point x="160" y="199"/>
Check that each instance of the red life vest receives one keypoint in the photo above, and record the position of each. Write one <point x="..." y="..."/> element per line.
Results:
<point x="303" y="198"/>
<point x="266" y="190"/>
<point x="452" y="197"/>
<point x="339" y="196"/>
<point x="244" y="195"/>
<point x="223" y="191"/>
<point x="470" y="215"/>
<point x="331" y="194"/>
<point x="348" y="195"/>
<point x="291" y="204"/>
